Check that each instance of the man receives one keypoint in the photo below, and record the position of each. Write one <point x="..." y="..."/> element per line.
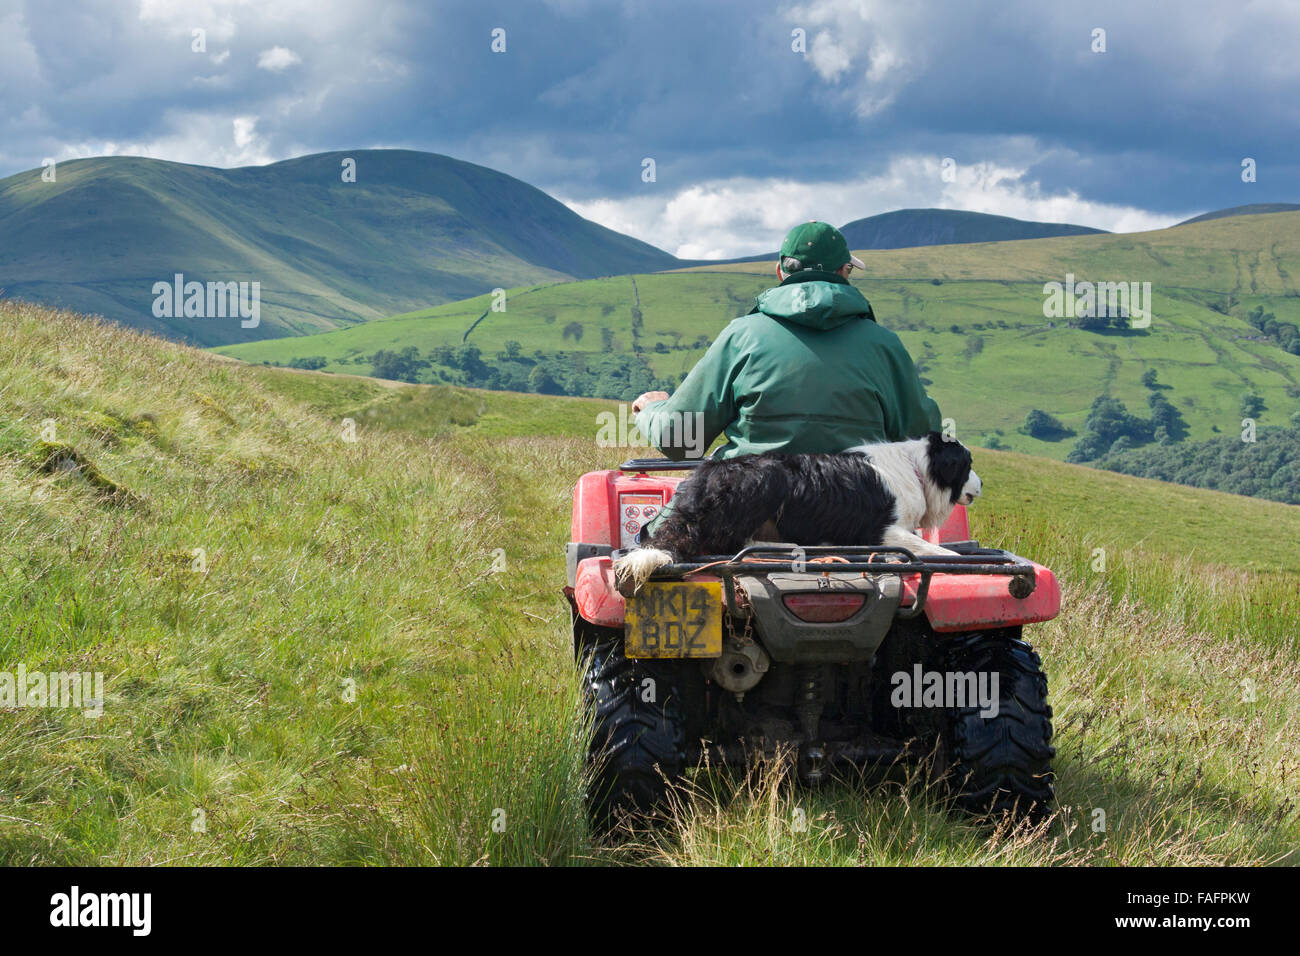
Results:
<point x="807" y="370"/>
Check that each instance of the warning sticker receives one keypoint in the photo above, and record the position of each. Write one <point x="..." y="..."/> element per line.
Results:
<point x="634" y="512"/>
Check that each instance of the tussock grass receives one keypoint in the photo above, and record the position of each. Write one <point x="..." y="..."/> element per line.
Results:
<point x="342" y="679"/>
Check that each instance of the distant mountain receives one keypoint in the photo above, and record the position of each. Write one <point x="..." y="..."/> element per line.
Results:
<point x="1254" y="209"/>
<point x="413" y="229"/>
<point x="904" y="228"/>
<point x="907" y="228"/>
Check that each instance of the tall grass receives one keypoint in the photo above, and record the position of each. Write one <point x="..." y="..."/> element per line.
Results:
<point x="347" y="680"/>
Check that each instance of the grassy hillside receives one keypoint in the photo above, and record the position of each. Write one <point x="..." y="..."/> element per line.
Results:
<point x="971" y="315"/>
<point x="231" y="732"/>
<point x="412" y="229"/>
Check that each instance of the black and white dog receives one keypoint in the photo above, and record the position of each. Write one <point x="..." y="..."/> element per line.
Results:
<point x="871" y="494"/>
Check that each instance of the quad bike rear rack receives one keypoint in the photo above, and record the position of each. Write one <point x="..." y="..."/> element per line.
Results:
<point x="865" y="559"/>
<point x="646" y="465"/>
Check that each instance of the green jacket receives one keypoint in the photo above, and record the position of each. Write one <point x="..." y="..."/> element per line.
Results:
<point x="808" y="370"/>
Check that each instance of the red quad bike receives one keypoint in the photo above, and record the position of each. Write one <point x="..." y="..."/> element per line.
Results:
<point x="854" y="655"/>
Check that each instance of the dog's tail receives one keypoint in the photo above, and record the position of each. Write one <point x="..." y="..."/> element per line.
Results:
<point x="634" y="568"/>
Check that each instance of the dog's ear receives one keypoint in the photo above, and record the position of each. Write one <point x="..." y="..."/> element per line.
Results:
<point x="950" y="464"/>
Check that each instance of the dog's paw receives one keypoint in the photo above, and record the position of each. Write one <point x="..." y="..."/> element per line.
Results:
<point x="927" y="550"/>
<point x="633" y="569"/>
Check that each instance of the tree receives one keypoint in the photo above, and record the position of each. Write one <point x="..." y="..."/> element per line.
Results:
<point x="403" y="366"/>
<point x="1165" y="416"/>
<point x="573" y="330"/>
<point x="1044" y="427"/>
<point x="1268" y="468"/>
<point x="1108" y="420"/>
<point x="513" y="350"/>
<point x="309" y="362"/>
<point x="469" y="359"/>
<point x="1251" y="405"/>
<point x="541" y="380"/>
<point x="1149" y="378"/>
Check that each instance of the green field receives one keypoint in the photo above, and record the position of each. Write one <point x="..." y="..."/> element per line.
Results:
<point x="345" y="681"/>
<point x="971" y="315"/>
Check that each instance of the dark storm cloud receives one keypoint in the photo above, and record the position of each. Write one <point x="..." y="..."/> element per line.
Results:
<point x="713" y="92"/>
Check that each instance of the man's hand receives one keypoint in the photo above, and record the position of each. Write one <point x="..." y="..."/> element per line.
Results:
<point x="646" y="398"/>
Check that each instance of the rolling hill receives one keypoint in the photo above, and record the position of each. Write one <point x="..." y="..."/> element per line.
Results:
<point x="308" y="660"/>
<point x="1253" y="209"/>
<point x="905" y="228"/>
<point x="413" y="228"/>
<point x="935" y="227"/>
<point x="971" y="315"/>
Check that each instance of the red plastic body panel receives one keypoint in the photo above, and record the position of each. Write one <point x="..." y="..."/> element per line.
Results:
<point x="956" y="528"/>
<point x="598" y="600"/>
<point x="596" y="517"/>
<point x="956" y="602"/>
<point x="976" y="602"/>
<point x="593" y="591"/>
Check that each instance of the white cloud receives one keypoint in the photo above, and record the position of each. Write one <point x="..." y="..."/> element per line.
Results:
<point x="828" y="57"/>
<point x="245" y="130"/>
<point x="748" y="216"/>
<point x="198" y="138"/>
<point x="869" y="45"/>
<point x="216" y="19"/>
<point x="277" y="59"/>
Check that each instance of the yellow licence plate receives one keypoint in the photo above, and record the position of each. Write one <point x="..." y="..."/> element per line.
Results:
<point x="675" y="620"/>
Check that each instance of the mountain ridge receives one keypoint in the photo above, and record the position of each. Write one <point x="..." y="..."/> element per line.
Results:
<point x="328" y="253"/>
<point x="1250" y="209"/>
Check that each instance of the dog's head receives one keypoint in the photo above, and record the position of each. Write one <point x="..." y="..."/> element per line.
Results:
<point x="948" y="468"/>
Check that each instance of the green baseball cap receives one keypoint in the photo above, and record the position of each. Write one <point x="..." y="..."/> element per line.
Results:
<point x="819" y="245"/>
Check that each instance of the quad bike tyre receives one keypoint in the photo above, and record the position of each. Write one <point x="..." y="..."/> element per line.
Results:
<point x="1002" y="764"/>
<point x="638" y="741"/>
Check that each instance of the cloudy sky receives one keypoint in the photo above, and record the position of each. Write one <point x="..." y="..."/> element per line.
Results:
<point x="757" y="114"/>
